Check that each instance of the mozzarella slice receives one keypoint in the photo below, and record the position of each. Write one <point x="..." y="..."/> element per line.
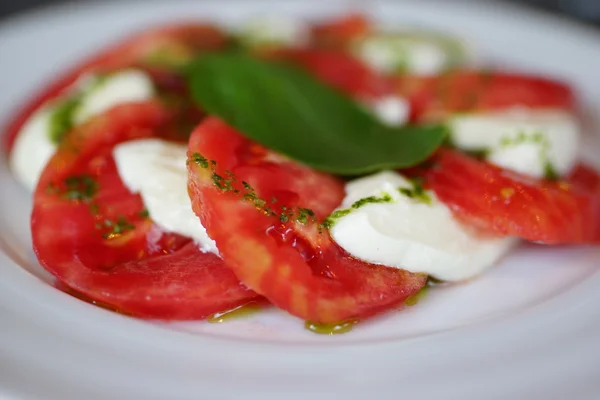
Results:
<point x="391" y="110"/>
<point x="269" y="31"/>
<point x="418" y="233"/>
<point x="417" y="53"/>
<point x="156" y="169"/>
<point x="33" y="146"/>
<point x="121" y="87"/>
<point x="526" y="141"/>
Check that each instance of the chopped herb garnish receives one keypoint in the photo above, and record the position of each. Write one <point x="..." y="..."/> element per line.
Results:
<point x="144" y="213"/>
<point x="332" y="219"/>
<point x="550" y="172"/>
<point x="61" y="119"/>
<point x="248" y="194"/>
<point x="304" y="214"/>
<point x="222" y="183"/>
<point x="385" y="198"/>
<point x="480" y="154"/>
<point x="417" y="192"/>
<point x="81" y="188"/>
<point x="199" y="160"/>
<point x="76" y="187"/>
<point x="117" y="227"/>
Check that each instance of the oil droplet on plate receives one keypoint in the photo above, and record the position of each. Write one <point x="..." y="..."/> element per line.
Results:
<point x="415" y="298"/>
<point x="237" y="312"/>
<point x="331" y="329"/>
<point x="83" y="297"/>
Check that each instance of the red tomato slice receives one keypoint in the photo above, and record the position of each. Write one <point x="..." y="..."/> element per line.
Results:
<point x="338" y="33"/>
<point x="251" y="203"/>
<point x="92" y="234"/>
<point x="508" y="203"/>
<point x="433" y="98"/>
<point x="340" y="70"/>
<point x="139" y="50"/>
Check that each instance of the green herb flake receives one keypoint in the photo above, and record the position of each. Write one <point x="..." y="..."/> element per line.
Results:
<point x="385" y="198"/>
<point x="480" y="154"/>
<point x="550" y="172"/>
<point x="61" y="119"/>
<point x="199" y="160"/>
<point x="79" y="188"/>
<point x="416" y="192"/>
<point x="144" y="213"/>
<point x="304" y="214"/>
<point x="117" y="227"/>
<point x="221" y="183"/>
<point x="332" y="219"/>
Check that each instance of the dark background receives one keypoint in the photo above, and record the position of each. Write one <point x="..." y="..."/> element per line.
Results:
<point x="587" y="11"/>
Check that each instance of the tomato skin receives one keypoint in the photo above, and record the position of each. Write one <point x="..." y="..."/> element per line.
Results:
<point x="340" y="70"/>
<point x="137" y="269"/>
<point x="293" y="265"/>
<point x="338" y="33"/>
<point x="133" y="51"/>
<point x="432" y="98"/>
<point x="507" y="203"/>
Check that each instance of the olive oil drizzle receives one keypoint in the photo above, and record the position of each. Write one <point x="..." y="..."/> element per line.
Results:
<point x="241" y="311"/>
<point x="417" y="297"/>
<point x="331" y="329"/>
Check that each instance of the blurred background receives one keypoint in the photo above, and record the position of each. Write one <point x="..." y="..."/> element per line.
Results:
<point x="587" y="11"/>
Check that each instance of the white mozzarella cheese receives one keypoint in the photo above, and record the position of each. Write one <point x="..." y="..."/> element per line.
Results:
<point x="391" y="110"/>
<point x="34" y="146"/>
<point x="418" y="233"/>
<point x="156" y="169"/>
<point x="121" y="87"/>
<point x="526" y="141"/>
<point x="269" y="30"/>
<point x="411" y="52"/>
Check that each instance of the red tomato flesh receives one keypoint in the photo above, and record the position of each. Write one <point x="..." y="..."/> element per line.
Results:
<point x="339" y="33"/>
<point x="507" y="203"/>
<point x="432" y="98"/>
<point x="284" y="258"/>
<point x="92" y="234"/>
<point x="340" y="70"/>
<point x="138" y="50"/>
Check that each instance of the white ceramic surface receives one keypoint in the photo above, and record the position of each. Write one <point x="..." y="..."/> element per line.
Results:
<point x="530" y="328"/>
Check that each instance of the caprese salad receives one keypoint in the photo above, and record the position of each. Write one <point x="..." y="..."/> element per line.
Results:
<point x="327" y="168"/>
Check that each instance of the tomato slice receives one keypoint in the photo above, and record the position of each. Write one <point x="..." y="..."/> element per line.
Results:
<point x="432" y="98"/>
<point x="338" y="33"/>
<point x="143" y="50"/>
<point x="93" y="235"/>
<point x="261" y="209"/>
<point x="507" y="203"/>
<point x="340" y="70"/>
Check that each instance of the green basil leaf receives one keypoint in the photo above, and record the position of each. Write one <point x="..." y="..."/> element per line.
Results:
<point x="287" y="110"/>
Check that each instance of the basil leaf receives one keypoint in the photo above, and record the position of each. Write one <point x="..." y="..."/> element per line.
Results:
<point x="287" y="110"/>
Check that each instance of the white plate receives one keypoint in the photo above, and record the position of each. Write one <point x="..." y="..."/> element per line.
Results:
<point x="530" y="328"/>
